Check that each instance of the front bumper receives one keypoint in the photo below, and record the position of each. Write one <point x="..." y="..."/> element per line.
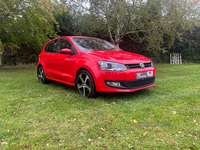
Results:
<point x="126" y="80"/>
<point x="133" y="84"/>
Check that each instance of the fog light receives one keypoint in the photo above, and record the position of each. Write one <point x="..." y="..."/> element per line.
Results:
<point x="108" y="83"/>
<point x="113" y="83"/>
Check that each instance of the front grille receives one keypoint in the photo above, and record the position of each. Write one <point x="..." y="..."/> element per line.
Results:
<point x="133" y="66"/>
<point x="133" y="84"/>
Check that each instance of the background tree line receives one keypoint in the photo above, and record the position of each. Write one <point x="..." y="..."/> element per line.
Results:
<point x="153" y="28"/>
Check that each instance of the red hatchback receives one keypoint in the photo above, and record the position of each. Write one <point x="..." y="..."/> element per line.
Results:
<point x="93" y="65"/>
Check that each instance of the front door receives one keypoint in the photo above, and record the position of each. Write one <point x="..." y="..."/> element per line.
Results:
<point x="65" y="62"/>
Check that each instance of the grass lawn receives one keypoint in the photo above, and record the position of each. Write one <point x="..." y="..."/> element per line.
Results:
<point x="54" y="116"/>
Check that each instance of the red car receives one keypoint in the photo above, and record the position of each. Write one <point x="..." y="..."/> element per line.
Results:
<point x="93" y="65"/>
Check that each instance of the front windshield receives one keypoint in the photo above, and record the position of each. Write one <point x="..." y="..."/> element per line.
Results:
<point x="93" y="44"/>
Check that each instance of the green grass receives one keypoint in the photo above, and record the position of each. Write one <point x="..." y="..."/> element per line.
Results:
<point x="54" y="116"/>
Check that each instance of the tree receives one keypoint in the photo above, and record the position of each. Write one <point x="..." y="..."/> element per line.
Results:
<point x="26" y="22"/>
<point x="188" y="46"/>
<point x="90" y="25"/>
<point x="156" y="23"/>
<point x="65" y="20"/>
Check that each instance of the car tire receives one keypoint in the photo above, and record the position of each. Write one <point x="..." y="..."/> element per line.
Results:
<point x="85" y="85"/>
<point x="41" y="76"/>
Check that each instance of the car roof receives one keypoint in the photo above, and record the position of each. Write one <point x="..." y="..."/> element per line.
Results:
<point x="78" y="37"/>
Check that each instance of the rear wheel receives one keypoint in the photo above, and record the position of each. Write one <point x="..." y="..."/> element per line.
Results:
<point x="41" y="76"/>
<point x="85" y="84"/>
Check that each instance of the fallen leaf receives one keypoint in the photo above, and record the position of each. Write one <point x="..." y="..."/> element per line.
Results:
<point x="102" y="129"/>
<point x="174" y="112"/>
<point x="135" y="121"/>
<point x="52" y="140"/>
<point x="4" y="143"/>
<point x="144" y="133"/>
<point x="89" y="140"/>
<point x="26" y="147"/>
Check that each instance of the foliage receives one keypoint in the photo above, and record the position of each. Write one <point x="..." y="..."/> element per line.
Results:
<point x="188" y="46"/>
<point x="167" y="22"/>
<point x="26" y="22"/>
<point x="54" y="116"/>
<point x="90" y="25"/>
<point x="157" y="23"/>
<point x="24" y="55"/>
<point x="65" y="20"/>
<point x="153" y="28"/>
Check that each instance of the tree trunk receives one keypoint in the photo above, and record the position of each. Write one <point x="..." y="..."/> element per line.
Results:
<point x="117" y="31"/>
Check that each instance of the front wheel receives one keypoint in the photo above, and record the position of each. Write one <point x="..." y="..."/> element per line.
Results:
<point x="85" y="84"/>
<point x="41" y="75"/>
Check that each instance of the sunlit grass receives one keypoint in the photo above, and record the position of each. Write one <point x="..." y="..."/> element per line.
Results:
<point x="54" y="116"/>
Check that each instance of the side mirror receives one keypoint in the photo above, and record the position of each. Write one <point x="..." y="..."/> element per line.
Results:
<point x="66" y="51"/>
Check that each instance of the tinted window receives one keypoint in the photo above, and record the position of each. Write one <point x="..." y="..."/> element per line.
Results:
<point x="90" y="44"/>
<point x="51" y="46"/>
<point x="64" y="43"/>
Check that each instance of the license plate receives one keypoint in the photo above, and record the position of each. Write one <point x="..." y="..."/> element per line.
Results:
<point x="142" y="75"/>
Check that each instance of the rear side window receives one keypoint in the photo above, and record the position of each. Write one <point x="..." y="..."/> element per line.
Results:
<point x="51" y="47"/>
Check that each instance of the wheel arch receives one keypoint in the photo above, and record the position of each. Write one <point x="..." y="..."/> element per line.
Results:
<point x="38" y="66"/>
<point x="87" y="69"/>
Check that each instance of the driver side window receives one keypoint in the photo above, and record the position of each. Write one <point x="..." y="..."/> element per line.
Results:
<point x="64" y="43"/>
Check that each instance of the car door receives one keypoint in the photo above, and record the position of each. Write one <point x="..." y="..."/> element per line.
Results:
<point x="49" y="58"/>
<point x="66" y="62"/>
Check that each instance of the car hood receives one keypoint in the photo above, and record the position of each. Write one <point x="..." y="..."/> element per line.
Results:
<point x="116" y="56"/>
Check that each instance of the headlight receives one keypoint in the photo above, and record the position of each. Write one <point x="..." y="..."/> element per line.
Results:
<point x="111" y="66"/>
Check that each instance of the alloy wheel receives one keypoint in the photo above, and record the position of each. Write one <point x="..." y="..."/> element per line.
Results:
<point x="41" y="75"/>
<point x="84" y="84"/>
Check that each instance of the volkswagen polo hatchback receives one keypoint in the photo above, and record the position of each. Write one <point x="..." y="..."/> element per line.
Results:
<point x="93" y="65"/>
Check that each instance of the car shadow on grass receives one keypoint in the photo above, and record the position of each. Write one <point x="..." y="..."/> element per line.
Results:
<point x="59" y="85"/>
<point x="114" y="97"/>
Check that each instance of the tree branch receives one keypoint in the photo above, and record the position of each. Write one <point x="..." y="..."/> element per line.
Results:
<point x="159" y="25"/>
<point x="108" y="24"/>
<point x="1" y="20"/>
